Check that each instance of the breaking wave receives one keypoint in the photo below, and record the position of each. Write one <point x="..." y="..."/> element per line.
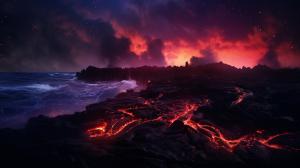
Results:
<point x="23" y="96"/>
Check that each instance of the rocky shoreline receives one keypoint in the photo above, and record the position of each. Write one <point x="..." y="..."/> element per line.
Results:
<point x="206" y="116"/>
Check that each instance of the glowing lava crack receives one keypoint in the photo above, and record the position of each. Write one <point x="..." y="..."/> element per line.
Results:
<point x="128" y="120"/>
<point x="242" y="95"/>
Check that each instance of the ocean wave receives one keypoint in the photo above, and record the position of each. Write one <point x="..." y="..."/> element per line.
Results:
<point x="44" y="87"/>
<point x="67" y="74"/>
<point x="127" y="84"/>
<point x="36" y="87"/>
<point x="131" y="83"/>
<point x="48" y="95"/>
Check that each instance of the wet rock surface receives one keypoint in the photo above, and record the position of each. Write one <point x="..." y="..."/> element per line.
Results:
<point x="210" y="120"/>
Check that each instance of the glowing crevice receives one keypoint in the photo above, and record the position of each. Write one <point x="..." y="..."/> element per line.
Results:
<point x="108" y="129"/>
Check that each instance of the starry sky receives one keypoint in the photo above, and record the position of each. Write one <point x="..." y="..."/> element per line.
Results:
<point x="69" y="35"/>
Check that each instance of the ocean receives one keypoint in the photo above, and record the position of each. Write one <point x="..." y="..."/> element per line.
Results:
<point x="26" y="95"/>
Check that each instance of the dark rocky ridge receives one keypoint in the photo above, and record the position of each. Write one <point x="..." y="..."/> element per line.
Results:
<point x="273" y="107"/>
<point x="145" y="73"/>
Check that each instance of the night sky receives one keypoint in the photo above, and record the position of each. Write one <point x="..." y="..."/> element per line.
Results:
<point x="68" y="35"/>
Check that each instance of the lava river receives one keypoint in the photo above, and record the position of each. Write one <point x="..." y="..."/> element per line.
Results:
<point x="128" y="118"/>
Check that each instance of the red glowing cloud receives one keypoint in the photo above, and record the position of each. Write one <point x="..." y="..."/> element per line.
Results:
<point x="246" y="52"/>
<point x="138" y="42"/>
<point x="239" y="53"/>
<point x="119" y="33"/>
<point x="289" y="56"/>
<point x="234" y="42"/>
<point x="186" y="33"/>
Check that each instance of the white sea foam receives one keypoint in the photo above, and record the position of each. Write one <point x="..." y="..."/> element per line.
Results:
<point x="127" y="84"/>
<point x="43" y="87"/>
<point x="62" y="74"/>
<point x="34" y="87"/>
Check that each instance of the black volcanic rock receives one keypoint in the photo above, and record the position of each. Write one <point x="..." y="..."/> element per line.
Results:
<point x="152" y="140"/>
<point x="147" y="73"/>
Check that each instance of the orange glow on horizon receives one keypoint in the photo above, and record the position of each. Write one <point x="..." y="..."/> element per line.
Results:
<point x="245" y="52"/>
<point x="177" y="53"/>
<point x="238" y="53"/>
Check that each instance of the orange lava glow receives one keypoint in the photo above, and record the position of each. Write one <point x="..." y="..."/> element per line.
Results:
<point x="104" y="131"/>
<point x="242" y="95"/>
<point x="183" y="112"/>
<point x="126" y="111"/>
<point x="219" y="140"/>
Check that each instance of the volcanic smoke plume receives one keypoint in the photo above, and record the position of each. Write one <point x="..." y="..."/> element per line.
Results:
<point x="208" y="56"/>
<point x="62" y="35"/>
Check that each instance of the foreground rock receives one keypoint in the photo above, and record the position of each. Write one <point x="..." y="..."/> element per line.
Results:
<point x="221" y="117"/>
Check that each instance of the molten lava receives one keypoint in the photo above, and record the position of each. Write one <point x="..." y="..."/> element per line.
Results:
<point x="184" y="112"/>
<point x="103" y="130"/>
<point x="243" y="94"/>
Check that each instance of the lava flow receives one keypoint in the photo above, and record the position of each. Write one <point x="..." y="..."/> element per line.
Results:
<point x="103" y="130"/>
<point x="217" y="138"/>
<point x="242" y="95"/>
<point x="185" y="113"/>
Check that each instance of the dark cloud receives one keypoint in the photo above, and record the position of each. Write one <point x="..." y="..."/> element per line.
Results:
<point x="186" y="18"/>
<point x="154" y="56"/>
<point x="235" y="20"/>
<point x="51" y="36"/>
<point x="29" y="39"/>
